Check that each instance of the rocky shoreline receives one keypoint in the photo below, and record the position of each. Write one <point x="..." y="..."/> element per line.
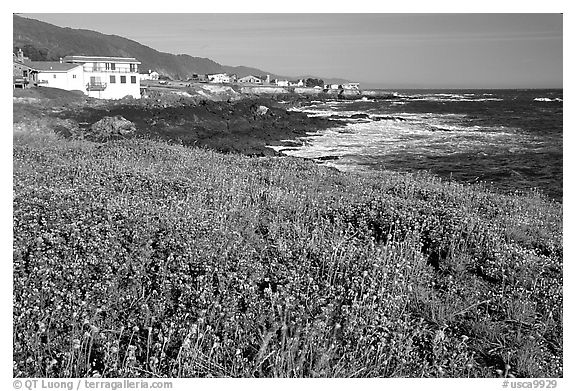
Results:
<point x="246" y="126"/>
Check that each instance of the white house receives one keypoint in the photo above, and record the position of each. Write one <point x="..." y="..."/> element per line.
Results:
<point x="291" y="83"/>
<point x="219" y="78"/>
<point x="351" y="86"/>
<point x="108" y="77"/>
<point x="250" y="79"/>
<point x="151" y="75"/>
<point x="59" y="75"/>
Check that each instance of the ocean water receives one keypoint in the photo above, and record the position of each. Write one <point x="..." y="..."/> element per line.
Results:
<point x="510" y="139"/>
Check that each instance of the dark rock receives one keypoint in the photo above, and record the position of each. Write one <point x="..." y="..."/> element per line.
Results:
<point x="113" y="126"/>
<point x="245" y="126"/>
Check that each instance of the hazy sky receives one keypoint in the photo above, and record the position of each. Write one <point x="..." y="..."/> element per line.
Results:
<point x="396" y="50"/>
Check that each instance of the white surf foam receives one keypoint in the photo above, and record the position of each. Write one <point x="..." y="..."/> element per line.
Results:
<point x="548" y="100"/>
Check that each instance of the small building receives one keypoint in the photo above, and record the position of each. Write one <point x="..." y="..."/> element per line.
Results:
<point x="219" y="78"/>
<point x="151" y="75"/>
<point x="108" y="77"/>
<point x="250" y="79"/>
<point x="24" y="76"/>
<point x="282" y="83"/>
<point x="57" y="74"/>
<point x="351" y="86"/>
<point x="201" y="78"/>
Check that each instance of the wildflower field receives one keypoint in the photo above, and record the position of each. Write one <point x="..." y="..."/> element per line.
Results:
<point x="137" y="258"/>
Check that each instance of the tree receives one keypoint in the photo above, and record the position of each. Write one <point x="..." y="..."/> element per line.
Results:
<point x="311" y="82"/>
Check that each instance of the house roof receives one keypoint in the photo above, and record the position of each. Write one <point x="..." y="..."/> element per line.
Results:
<point x="251" y="76"/>
<point x="52" y="66"/>
<point x="124" y="60"/>
<point x="27" y="65"/>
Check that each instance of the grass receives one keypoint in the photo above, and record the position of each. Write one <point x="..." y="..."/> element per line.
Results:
<point x="137" y="258"/>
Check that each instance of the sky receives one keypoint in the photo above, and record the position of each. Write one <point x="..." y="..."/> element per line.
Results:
<point x="386" y="50"/>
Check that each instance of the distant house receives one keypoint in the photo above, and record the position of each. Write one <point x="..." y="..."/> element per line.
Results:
<point x="250" y="79"/>
<point x="151" y="75"/>
<point x="282" y="83"/>
<point x="351" y="86"/>
<point x="202" y="78"/>
<point x="24" y="76"/>
<point x="58" y="74"/>
<point x="219" y="78"/>
<point x="108" y="77"/>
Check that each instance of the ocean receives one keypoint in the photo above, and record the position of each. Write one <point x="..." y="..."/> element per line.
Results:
<point x="508" y="139"/>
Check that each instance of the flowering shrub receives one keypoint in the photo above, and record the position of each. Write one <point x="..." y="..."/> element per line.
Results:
<point x="137" y="258"/>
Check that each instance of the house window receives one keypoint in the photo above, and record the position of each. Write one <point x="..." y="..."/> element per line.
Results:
<point x="112" y="66"/>
<point x="132" y="67"/>
<point x="112" y="79"/>
<point x="25" y="73"/>
<point x="107" y="66"/>
<point x="73" y="76"/>
<point x="54" y="76"/>
<point x="133" y="79"/>
<point x="123" y="79"/>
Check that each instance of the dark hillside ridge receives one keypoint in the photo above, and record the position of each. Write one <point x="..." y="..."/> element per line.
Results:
<point x="46" y="42"/>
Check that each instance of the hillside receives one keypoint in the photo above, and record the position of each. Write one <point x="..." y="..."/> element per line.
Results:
<point x="44" y="41"/>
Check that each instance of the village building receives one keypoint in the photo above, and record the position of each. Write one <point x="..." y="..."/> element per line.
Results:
<point x="294" y="83"/>
<point x="250" y="79"/>
<point x="24" y="76"/>
<point x="202" y="78"/>
<point x="219" y="78"/>
<point x="58" y="74"/>
<point x="351" y="86"/>
<point x="282" y="83"/>
<point x="109" y="77"/>
<point x="151" y="75"/>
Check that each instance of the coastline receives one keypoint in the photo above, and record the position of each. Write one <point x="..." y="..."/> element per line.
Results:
<point x="247" y="125"/>
<point x="225" y="121"/>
